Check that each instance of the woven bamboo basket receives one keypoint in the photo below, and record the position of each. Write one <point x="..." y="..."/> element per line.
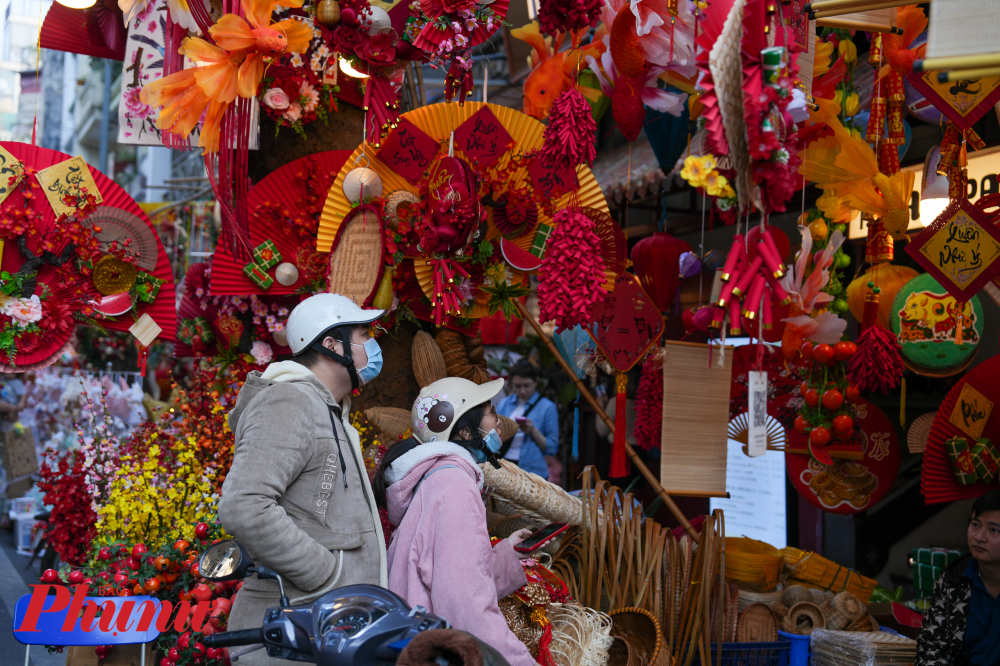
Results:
<point x="812" y="570"/>
<point x="835" y="619"/>
<point x="508" y="427"/>
<point x="803" y="618"/>
<point x="641" y="631"/>
<point x="748" y="597"/>
<point x="532" y="494"/>
<point x="501" y="526"/>
<point x="428" y="363"/>
<point x="753" y="562"/>
<point x="799" y="593"/>
<point x="392" y="421"/>
<point x="779" y="611"/>
<point x="756" y="625"/>
<point x="474" y="350"/>
<point x="356" y="262"/>
<point x="849" y="605"/>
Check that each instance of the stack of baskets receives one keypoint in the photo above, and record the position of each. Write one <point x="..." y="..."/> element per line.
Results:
<point x="532" y="495"/>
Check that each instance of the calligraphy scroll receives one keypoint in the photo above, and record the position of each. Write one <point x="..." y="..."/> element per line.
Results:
<point x="67" y="179"/>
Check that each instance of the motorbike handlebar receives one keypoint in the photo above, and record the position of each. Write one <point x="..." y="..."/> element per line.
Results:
<point x="232" y="638"/>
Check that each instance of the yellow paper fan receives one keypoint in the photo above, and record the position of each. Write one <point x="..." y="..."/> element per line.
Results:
<point x="739" y="430"/>
<point x="425" y="278"/>
<point x="438" y="121"/>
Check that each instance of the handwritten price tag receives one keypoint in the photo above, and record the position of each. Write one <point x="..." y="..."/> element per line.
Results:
<point x="553" y="181"/>
<point x="408" y="151"/>
<point x="483" y="137"/>
<point x="67" y="178"/>
<point x="11" y="173"/>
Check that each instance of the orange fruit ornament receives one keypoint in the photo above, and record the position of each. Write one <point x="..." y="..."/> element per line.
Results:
<point x="626" y="50"/>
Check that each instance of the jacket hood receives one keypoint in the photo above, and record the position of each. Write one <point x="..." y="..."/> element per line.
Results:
<point x="408" y="470"/>
<point x="283" y="371"/>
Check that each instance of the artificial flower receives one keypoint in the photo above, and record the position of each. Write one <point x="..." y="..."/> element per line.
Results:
<point x="694" y="171"/>
<point x="807" y="292"/>
<point x="309" y="98"/>
<point x="666" y="40"/>
<point x="652" y="95"/>
<point x="380" y="49"/>
<point x="852" y="105"/>
<point x="825" y="329"/>
<point x="347" y="40"/>
<point x="293" y="113"/>
<point x="715" y="184"/>
<point x="23" y="311"/>
<point x="823" y="58"/>
<point x="276" y="98"/>
<point x="847" y="50"/>
<point x="261" y="352"/>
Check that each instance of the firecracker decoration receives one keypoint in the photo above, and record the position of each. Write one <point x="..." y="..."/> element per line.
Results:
<point x="561" y="16"/>
<point x="572" y="273"/>
<point x="878" y="365"/>
<point x="648" y="426"/>
<point x="447" y="298"/>
<point x="569" y="136"/>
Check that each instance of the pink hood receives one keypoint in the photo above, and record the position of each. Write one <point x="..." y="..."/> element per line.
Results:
<point x="440" y="556"/>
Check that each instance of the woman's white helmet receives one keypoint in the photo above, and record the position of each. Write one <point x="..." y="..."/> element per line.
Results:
<point x="440" y="405"/>
<point x="317" y="314"/>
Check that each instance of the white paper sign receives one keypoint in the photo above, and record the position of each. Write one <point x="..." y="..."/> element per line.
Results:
<point x="756" y="506"/>
<point x="757" y="437"/>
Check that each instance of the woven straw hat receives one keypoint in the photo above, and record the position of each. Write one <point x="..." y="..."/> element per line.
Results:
<point x="756" y="625"/>
<point x="641" y="632"/>
<point x="802" y="618"/>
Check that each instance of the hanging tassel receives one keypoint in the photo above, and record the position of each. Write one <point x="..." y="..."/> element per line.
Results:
<point x="902" y="403"/>
<point x="143" y="354"/>
<point x="959" y="325"/>
<point x="619" y="458"/>
<point x="878" y="363"/>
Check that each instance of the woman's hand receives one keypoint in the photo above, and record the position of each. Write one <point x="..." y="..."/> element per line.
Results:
<point x="519" y="536"/>
<point x="526" y="425"/>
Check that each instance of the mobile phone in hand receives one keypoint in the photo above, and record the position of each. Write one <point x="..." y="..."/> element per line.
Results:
<point x="520" y="419"/>
<point x="538" y="539"/>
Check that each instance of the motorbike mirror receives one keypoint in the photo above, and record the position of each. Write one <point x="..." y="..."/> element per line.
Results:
<point x="226" y="560"/>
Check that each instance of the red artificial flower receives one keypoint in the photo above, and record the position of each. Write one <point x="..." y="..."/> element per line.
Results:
<point x="27" y="343"/>
<point x="380" y="49"/>
<point x="348" y="40"/>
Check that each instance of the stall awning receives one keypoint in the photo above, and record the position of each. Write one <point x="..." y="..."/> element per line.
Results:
<point x="619" y="182"/>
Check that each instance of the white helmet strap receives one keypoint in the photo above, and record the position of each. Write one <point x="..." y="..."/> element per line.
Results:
<point x="346" y="361"/>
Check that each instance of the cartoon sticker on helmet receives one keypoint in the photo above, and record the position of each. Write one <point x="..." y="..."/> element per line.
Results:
<point x="434" y="413"/>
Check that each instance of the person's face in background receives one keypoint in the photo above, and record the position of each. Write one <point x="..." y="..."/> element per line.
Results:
<point x="984" y="537"/>
<point x="523" y="387"/>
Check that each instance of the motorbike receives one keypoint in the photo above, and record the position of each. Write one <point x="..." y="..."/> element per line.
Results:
<point x="352" y="625"/>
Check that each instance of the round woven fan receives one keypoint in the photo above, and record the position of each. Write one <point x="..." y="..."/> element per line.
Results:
<point x="739" y="431"/>
<point x="920" y="430"/>
<point x="123" y="227"/>
<point x="438" y="121"/>
<point x="937" y="480"/>
<point x="162" y="309"/>
<point x="285" y="187"/>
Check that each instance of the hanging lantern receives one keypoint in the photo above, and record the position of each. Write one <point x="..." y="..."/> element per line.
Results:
<point x="656" y="262"/>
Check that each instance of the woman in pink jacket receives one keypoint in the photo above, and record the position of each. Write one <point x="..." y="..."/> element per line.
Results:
<point x="440" y="555"/>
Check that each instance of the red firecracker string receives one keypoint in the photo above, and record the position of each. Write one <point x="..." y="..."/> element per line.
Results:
<point x="572" y="272"/>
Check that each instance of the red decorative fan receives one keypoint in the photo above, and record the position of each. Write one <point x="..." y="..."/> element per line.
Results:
<point x="65" y="284"/>
<point x="98" y="31"/>
<point x="298" y="190"/>
<point x="937" y="480"/>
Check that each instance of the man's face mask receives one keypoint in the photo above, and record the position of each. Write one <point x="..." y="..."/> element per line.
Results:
<point x="374" y="366"/>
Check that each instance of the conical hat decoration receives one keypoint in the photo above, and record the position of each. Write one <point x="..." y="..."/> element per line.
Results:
<point x="924" y="320"/>
<point x="438" y="121"/>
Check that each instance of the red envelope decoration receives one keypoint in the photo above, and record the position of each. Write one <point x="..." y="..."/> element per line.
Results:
<point x="553" y="181"/>
<point x="626" y="324"/>
<point x="408" y="150"/>
<point x="482" y="138"/>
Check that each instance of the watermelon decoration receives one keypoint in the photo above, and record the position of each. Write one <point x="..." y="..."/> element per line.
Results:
<point x="519" y="259"/>
<point x="114" y="305"/>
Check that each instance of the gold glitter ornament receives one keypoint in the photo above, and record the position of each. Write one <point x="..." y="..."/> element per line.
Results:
<point x="111" y="275"/>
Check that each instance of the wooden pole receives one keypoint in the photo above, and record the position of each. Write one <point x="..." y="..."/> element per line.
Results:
<point x="585" y="392"/>
<point x="967" y="74"/>
<point x="854" y="5"/>
<point x="857" y="25"/>
<point x="958" y="62"/>
<point x="842" y="11"/>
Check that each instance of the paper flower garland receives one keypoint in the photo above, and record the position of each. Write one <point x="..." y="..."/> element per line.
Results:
<point x="569" y="136"/>
<point x="572" y="272"/>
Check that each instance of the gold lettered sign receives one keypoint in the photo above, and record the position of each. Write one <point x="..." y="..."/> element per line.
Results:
<point x="971" y="412"/>
<point x="11" y="173"/>
<point x="961" y="250"/>
<point x="67" y="178"/>
<point x="963" y="102"/>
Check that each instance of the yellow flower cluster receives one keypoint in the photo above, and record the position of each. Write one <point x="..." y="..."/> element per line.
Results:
<point x="700" y="171"/>
<point x="154" y="500"/>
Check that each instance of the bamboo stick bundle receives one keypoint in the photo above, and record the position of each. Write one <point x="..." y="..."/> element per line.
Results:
<point x="812" y="570"/>
<point x="754" y="562"/>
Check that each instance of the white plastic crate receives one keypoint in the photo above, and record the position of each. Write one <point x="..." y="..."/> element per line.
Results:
<point x="23" y="523"/>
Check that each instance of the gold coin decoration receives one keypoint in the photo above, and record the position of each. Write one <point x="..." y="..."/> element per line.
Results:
<point x="111" y="275"/>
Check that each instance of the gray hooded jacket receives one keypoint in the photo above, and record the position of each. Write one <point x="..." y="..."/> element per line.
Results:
<point x="285" y="497"/>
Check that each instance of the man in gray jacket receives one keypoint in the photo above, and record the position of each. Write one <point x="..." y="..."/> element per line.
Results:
<point x="297" y="495"/>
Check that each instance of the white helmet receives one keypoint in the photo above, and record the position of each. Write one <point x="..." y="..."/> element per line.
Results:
<point x="440" y="405"/>
<point x="316" y="315"/>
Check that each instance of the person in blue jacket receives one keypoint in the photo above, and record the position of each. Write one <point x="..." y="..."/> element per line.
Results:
<point x="538" y="418"/>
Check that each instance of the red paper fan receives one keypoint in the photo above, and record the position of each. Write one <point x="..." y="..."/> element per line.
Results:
<point x="431" y="35"/>
<point x="162" y="310"/>
<point x="68" y="30"/>
<point x="710" y="27"/>
<point x="937" y="480"/>
<point x="283" y="187"/>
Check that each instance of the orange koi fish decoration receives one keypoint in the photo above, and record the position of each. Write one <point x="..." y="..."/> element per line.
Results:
<point x="552" y="70"/>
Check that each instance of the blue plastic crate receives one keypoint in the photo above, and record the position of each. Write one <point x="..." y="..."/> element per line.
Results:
<point x="799" y="648"/>
<point x="748" y="654"/>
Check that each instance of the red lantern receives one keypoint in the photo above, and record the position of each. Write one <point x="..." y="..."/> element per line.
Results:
<point x="656" y="263"/>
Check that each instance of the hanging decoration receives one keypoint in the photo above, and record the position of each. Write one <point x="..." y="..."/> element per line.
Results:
<point x="569" y="136"/>
<point x="656" y="260"/>
<point x="627" y="325"/>
<point x="847" y="486"/>
<point x="879" y="364"/>
<point x="570" y="277"/>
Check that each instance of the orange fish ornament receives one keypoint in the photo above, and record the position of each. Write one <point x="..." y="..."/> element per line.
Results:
<point x="233" y="66"/>
<point x="552" y="70"/>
